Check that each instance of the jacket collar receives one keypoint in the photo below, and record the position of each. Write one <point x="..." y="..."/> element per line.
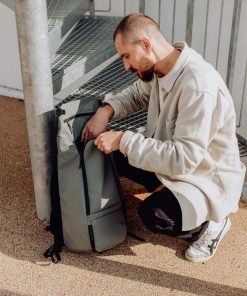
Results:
<point x="167" y="82"/>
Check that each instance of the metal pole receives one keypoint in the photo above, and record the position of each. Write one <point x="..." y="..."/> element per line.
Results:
<point x="32" y="30"/>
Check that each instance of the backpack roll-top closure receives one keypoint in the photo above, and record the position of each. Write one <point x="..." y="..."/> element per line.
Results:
<point x="72" y="117"/>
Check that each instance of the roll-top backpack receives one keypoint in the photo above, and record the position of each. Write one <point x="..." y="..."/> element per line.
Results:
<point x="86" y="197"/>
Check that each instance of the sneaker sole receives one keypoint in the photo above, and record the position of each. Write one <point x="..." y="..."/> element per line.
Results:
<point x="200" y="260"/>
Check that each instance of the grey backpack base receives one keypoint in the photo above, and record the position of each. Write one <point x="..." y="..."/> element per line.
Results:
<point x="90" y="198"/>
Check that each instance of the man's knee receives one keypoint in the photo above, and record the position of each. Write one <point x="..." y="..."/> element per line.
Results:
<point x="161" y="213"/>
<point x="157" y="215"/>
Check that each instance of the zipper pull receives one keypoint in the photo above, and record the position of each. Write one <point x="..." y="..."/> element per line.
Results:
<point x="60" y="112"/>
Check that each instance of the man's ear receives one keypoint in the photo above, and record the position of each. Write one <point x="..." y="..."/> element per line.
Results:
<point x="147" y="45"/>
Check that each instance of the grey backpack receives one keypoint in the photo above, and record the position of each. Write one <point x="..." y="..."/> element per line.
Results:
<point x="86" y="197"/>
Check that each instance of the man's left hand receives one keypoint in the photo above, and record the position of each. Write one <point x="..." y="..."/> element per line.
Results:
<point x="109" y="141"/>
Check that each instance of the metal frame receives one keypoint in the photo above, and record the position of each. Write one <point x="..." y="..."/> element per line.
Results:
<point x="106" y="10"/>
<point x="92" y="8"/>
<point x="142" y="6"/>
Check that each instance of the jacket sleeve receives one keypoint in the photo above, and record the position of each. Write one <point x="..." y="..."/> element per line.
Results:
<point x="130" y="100"/>
<point x="182" y="154"/>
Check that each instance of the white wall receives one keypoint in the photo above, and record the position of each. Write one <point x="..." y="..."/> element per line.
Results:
<point x="10" y="71"/>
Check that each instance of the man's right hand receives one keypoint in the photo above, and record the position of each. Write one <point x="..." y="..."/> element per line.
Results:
<point x="97" y="124"/>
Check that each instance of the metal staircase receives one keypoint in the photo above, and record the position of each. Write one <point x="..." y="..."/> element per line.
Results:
<point x="111" y="79"/>
<point x="62" y="16"/>
<point x="80" y="41"/>
<point x="88" y="45"/>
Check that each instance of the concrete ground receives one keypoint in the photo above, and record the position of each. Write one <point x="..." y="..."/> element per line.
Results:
<point x="154" y="267"/>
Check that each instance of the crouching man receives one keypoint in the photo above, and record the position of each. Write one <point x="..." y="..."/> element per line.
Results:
<point x="189" y="158"/>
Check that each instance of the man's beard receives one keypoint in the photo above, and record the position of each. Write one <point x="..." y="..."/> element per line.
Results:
<point x="145" y="75"/>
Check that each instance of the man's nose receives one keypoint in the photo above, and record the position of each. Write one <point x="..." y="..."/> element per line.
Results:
<point x="127" y="65"/>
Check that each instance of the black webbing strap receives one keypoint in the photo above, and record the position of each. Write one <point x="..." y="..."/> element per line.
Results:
<point x="54" y="253"/>
<point x="55" y="226"/>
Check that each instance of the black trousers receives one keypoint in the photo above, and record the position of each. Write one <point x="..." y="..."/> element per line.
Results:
<point x="160" y="212"/>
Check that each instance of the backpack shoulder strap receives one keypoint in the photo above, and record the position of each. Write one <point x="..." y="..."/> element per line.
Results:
<point x="55" y="221"/>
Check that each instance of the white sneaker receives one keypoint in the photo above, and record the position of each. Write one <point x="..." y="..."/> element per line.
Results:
<point x="205" y="247"/>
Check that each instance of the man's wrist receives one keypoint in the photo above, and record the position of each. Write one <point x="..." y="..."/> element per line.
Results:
<point x="108" y="110"/>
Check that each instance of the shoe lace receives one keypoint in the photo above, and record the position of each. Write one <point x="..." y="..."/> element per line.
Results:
<point x="203" y="241"/>
<point x="216" y="240"/>
<point x="206" y="240"/>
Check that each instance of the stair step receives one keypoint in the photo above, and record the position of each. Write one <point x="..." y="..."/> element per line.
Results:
<point x="62" y="16"/>
<point x="88" y="45"/>
<point x="111" y="80"/>
<point x="9" y="3"/>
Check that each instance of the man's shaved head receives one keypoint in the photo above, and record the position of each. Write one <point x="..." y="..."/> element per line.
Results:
<point x="141" y="45"/>
<point x="134" y="26"/>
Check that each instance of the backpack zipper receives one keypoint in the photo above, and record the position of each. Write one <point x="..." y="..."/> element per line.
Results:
<point x="87" y="203"/>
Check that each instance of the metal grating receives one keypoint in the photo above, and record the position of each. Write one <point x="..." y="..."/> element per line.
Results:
<point x="111" y="79"/>
<point x="135" y="122"/>
<point x="59" y="9"/>
<point x="89" y="37"/>
<point x="242" y="149"/>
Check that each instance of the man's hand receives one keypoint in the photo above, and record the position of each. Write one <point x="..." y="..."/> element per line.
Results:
<point x="97" y="124"/>
<point x="109" y="141"/>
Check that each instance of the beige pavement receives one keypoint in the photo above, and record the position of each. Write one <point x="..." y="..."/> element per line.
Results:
<point x="154" y="267"/>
